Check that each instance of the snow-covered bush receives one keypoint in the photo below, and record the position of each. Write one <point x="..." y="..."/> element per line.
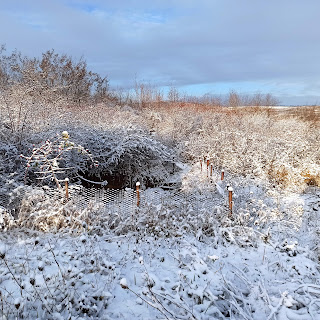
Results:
<point x="250" y="143"/>
<point x="11" y="166"/>
<point x="47" y="210"/>
<point x="120" y="157"/>
<point x="45" y="159"/>
<point x="125" y="156"/>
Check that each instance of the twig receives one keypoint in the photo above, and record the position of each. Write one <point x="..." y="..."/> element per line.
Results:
<point x="13" y="276"/>
<point x="171" y="301"/>
<point x="149" y="303"/>
<point x="278" y="306"/>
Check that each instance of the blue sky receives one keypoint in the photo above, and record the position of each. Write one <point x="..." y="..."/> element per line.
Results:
<point x="200" y="46"/>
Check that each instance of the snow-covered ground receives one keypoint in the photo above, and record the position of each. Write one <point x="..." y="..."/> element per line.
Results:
<point x="261" y="263"/>
<point x="176" y="278"/>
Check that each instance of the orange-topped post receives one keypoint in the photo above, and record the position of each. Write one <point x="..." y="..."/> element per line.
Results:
<point x="230" y="189"/>
<point x="138" y="193"/>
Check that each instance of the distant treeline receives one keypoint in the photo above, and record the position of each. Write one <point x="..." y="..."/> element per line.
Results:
<point x="58" y="79"/>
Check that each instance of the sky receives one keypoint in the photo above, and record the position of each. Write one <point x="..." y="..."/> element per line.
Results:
<point x="199" y="46"/>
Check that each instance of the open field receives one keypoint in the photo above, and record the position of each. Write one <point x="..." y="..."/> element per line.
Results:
<point x="164" y="261"/>
<point x="175" y="245"/>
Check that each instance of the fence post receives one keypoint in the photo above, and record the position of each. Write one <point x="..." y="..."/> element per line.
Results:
<point x="211" y="170"/>
<point x="66" y="185"/>
<point x="230" y="189"/>
<point x="201" y="164"/>
<point x="208" y="163"/>
<point x="222" y="175"/>
<point x="138" y="193"/>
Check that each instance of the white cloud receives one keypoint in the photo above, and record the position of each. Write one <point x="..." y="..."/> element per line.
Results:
<point x="185" y="42"/>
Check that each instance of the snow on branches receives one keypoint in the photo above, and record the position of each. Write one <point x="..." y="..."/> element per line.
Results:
<point x="46" y="159"/>
<point x="126" y="156"/>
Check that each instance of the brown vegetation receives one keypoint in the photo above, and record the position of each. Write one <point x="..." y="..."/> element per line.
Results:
<point x="245" y="135"/>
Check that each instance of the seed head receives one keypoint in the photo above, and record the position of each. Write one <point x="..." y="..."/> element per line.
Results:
<point x="17" y="303"/>
<point x="123" y="283"/>
<point x="40" y="266"/>
<point x="2" y="252"/>
<point x="32" y="281"/>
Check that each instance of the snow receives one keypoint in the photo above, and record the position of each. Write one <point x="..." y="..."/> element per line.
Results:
<point x="180" y="255"/>
<point x="188" y="277"/>
<point x="261" y="264"/>
<point x="178" y="252"/>
<point x="123" y="283"/>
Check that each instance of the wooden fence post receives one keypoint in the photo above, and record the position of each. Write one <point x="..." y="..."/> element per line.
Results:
<point x="211" y="170"/>
<point x="201" y="164"/>
<point x="138" y="193"/>
<point x="66" y="187"/>
<point x="208" y="163"/>
<point x="230" y="189"/>
<point x="222" y="175"/>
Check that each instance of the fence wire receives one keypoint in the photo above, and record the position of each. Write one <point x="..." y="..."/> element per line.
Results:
<point x="124" y="202"/>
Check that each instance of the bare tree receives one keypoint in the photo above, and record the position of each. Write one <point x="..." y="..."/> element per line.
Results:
<point x="234" y="99"/>
<point x="173" y="94"/>
<point x="33" y="90"/>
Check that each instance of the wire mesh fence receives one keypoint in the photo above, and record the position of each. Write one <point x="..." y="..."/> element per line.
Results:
<point x="120" y="201"/>
<point x="117" y="201"/>
<point x="127" y="202"/>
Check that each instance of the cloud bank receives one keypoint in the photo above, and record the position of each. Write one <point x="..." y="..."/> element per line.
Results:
<point x="206" y="45"/>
